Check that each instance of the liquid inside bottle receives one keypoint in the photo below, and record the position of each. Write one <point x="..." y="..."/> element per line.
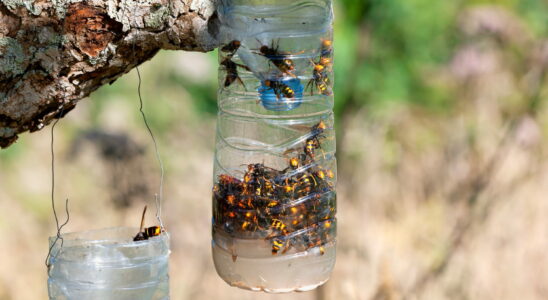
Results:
<point x="274" y="199"/>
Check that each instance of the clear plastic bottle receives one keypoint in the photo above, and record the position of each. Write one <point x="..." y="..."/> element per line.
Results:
<point x="274" y="199"/>
<point x="108" y="264"/>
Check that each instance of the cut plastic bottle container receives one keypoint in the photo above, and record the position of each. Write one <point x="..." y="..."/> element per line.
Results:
<point x="274" y="199"/>
<point x="107" y="264"/>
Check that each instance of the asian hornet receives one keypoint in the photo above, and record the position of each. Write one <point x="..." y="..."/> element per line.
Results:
<point x="146" y="233"/>
<point x="278" y="244"/>
<point x="326" y="49"/>
<point x="232" y="72"/>
<point x="231" y="47"/>
<point x="278" y="58"/>
<point x="280" y="89"/>
<point x="319" y="80"/>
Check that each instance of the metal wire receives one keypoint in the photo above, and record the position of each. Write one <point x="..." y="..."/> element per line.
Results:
<point x="157" y="197"/>
<point x="59" y="227"/>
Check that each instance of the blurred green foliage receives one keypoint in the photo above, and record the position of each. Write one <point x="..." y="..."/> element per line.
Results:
<point x="386" y="48"/>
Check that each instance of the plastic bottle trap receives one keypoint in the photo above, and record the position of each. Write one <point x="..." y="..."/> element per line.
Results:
<point x="109" y="264"/>
<point x="274" y="199"/>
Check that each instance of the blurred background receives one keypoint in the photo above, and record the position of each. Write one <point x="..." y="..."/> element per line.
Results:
<point x="442" y="139"/>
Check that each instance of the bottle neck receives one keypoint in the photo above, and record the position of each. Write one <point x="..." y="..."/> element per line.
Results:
<point x="242" y="19"/>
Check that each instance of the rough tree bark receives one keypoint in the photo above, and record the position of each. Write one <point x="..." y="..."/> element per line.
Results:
<point x="55" y="52"/>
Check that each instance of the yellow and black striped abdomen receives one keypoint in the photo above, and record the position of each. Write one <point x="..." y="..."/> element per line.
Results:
<point x="153" y="231"/>
<point x="288" y="92"/>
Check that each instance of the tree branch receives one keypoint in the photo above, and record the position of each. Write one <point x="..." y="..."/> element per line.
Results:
<point x="54" y="53"/>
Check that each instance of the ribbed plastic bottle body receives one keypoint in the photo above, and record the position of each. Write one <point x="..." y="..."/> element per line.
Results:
<point x="274" y="198"/>
<point x="108" y="264"/>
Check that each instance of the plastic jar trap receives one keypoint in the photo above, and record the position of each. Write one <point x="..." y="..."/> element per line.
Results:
<point x="274" y="199"/>
<point x="108" y="264"/>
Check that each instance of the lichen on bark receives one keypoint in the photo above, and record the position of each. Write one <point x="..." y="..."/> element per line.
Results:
<point x="28" y="4"/>
<point x="12" y="57"/>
